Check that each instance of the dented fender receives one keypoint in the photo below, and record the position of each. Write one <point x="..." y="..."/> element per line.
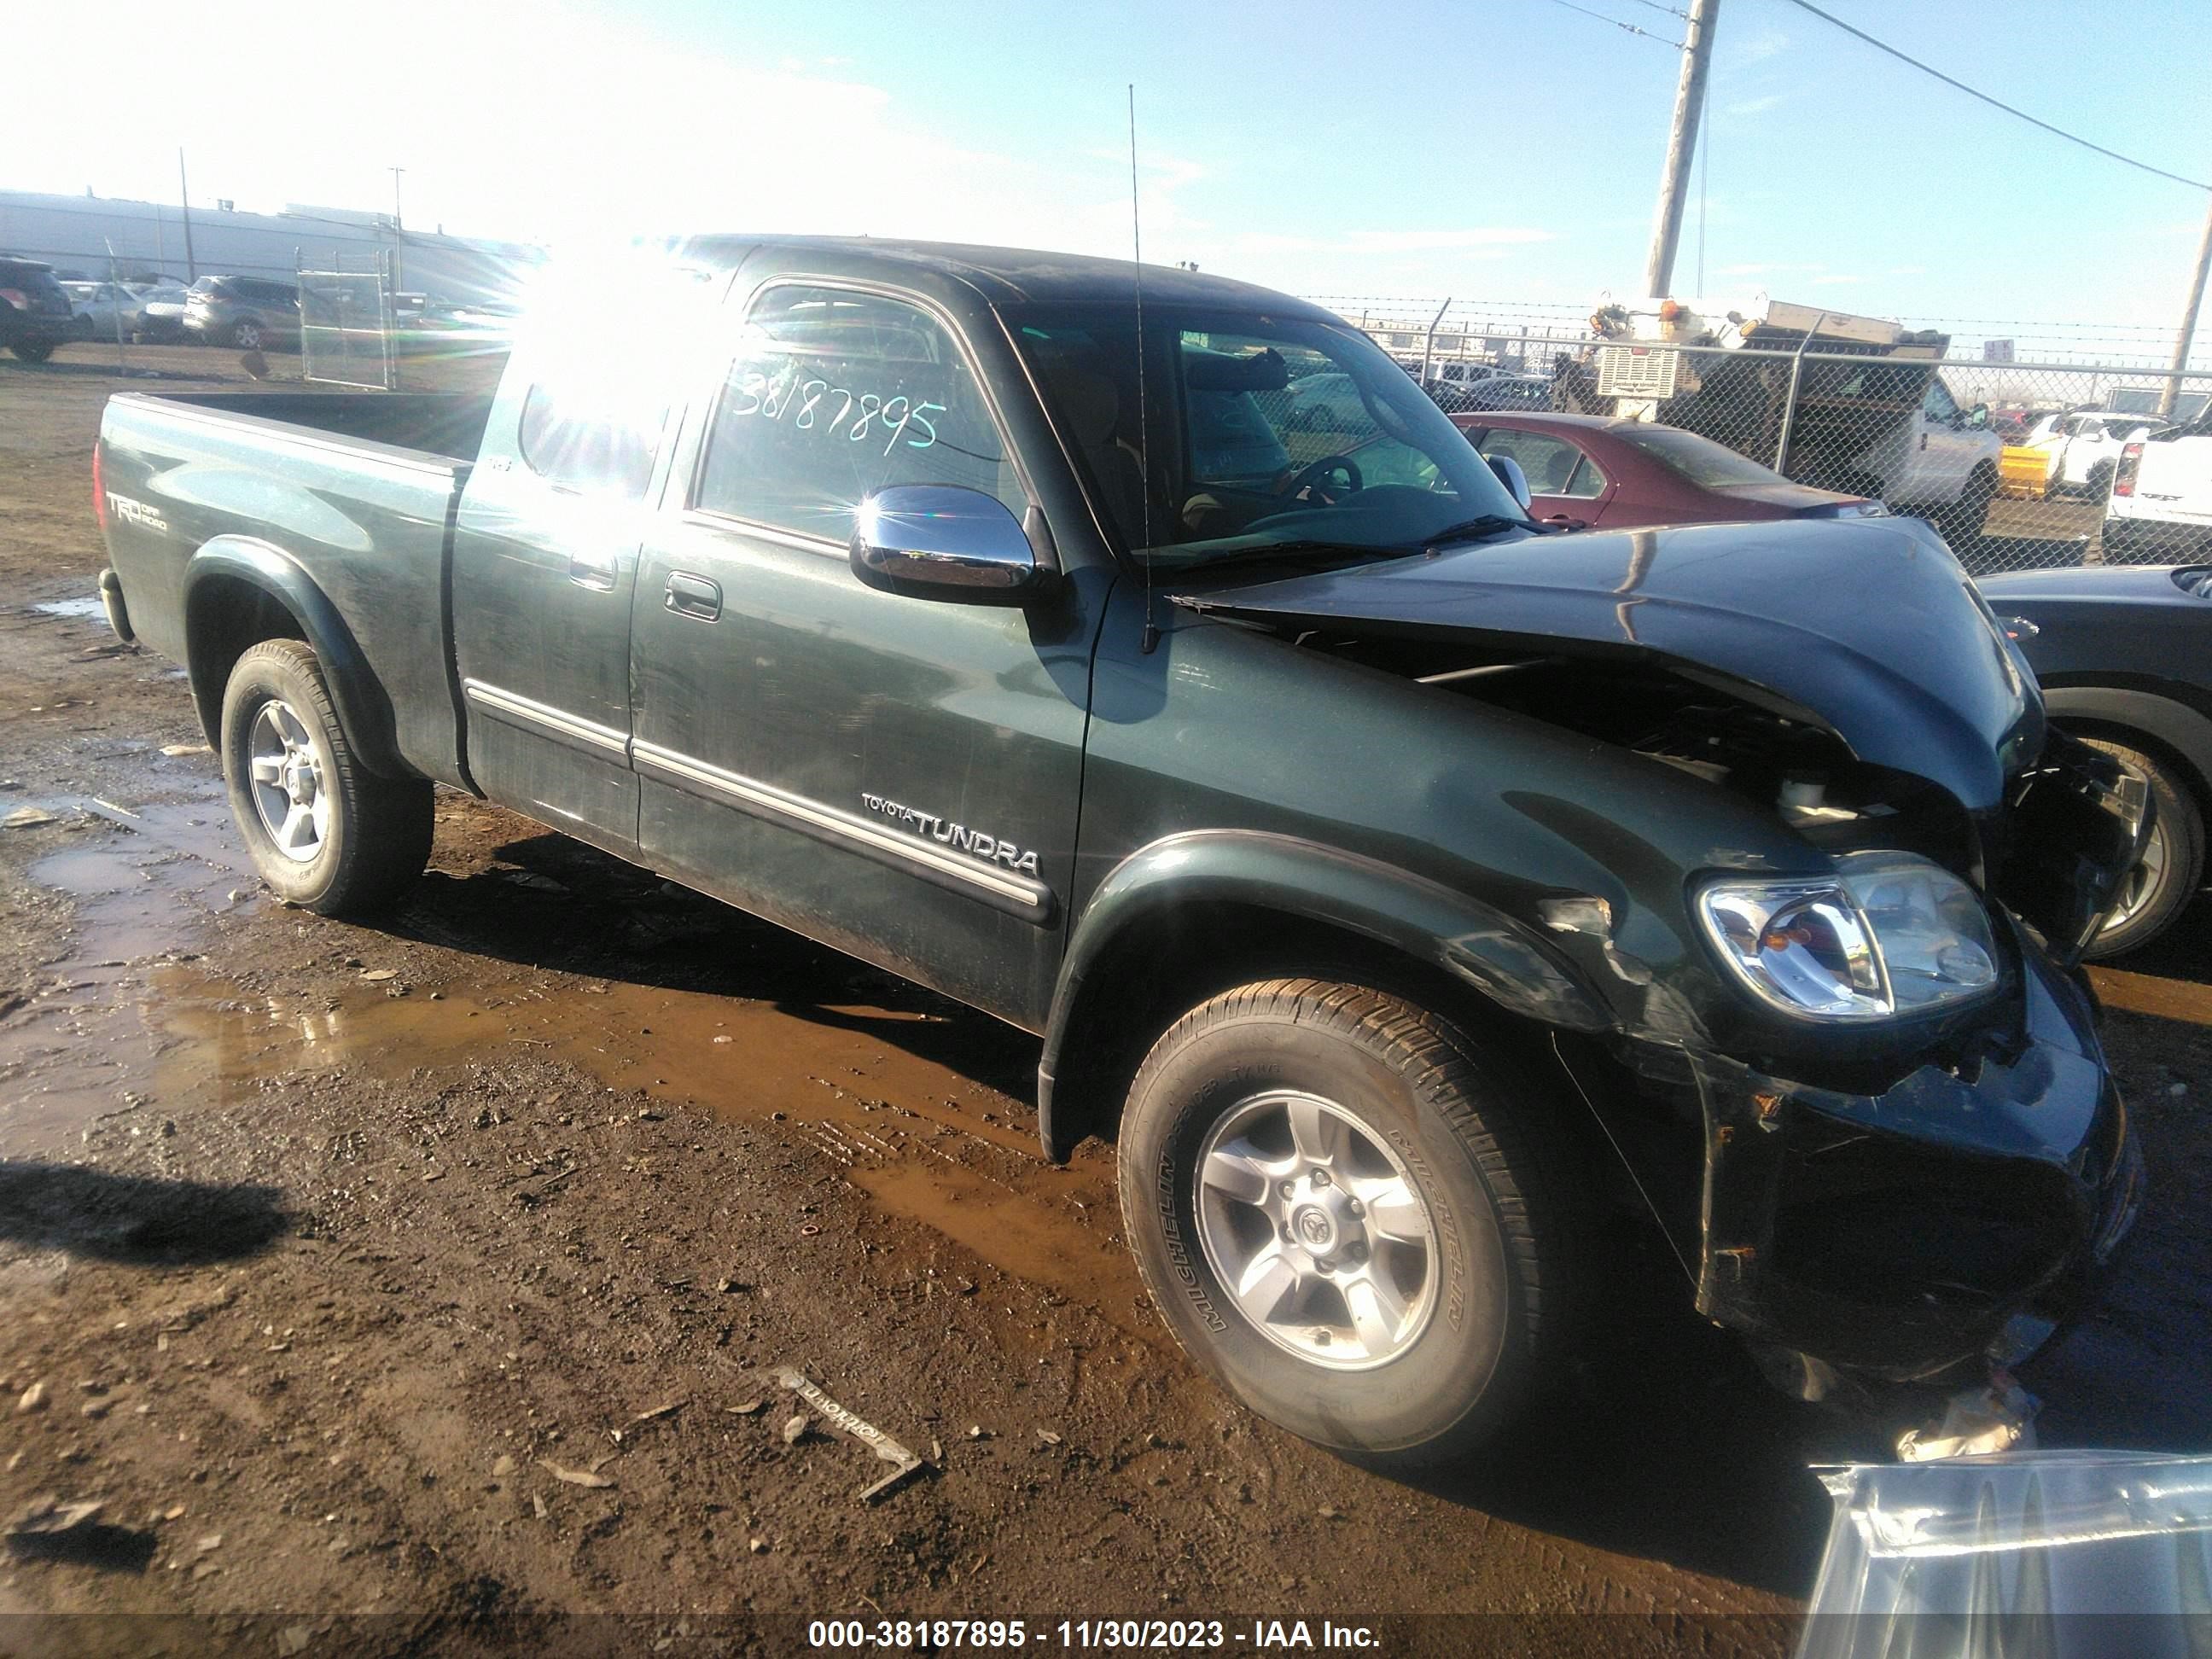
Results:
<point x="1510" y="963"/>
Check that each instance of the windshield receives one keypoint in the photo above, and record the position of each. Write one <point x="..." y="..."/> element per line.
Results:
<point x="1700" y="460"/>
<point x="1266" y="433"/>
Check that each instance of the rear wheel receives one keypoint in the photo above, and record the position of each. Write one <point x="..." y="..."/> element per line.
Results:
<point x="324" y="831"/>
<point x="2101" y="480"/>
<point x="32" y="351"/>
<point x="245" y="335"/>
<point x="1350" y="1216"/>
<point x="1962" y="521"/>
<point x="2159" y="888"/>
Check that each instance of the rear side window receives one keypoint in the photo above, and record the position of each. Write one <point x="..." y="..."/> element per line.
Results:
<point x="833" y="395"/>
<point x="586" y="434"/>
<point x="1548" y="464"/>
<point x="31" y="278"/>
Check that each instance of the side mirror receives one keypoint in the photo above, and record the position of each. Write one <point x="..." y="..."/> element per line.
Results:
<point x="943" y="542"/>
<point x="1978" y="416"/>
<point x="1510" y="475"/>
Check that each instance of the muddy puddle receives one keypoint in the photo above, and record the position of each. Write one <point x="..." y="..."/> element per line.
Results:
<point x="85" y="610"/>
<point x="134" y="1027"/>
<point x="143" y="880"/>
<point x="918" y="1138"/>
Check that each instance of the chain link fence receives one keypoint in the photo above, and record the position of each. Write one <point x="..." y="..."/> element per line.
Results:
<point x="2013" y="461"/>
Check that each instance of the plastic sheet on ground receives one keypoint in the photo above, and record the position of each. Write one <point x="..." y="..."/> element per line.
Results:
<point x="2052" y="1554"/>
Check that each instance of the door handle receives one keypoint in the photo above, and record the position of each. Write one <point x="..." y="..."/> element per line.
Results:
<point x="693" y="596"/>
<point x="586" y="573"/>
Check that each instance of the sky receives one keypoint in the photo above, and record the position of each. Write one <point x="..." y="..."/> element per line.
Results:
<point x="1503" y="150"/>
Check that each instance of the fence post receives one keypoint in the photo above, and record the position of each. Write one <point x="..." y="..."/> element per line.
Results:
<point x="1429" y="340"/>
<point x="1790" y="405"/>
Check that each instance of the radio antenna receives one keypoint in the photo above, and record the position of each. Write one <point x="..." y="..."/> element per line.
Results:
<point x="1151" y="635"/>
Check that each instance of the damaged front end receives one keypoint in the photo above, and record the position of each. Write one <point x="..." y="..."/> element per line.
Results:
<point x="1858" y="1082"/>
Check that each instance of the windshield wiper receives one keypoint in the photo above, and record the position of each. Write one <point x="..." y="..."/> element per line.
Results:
<point x="1308" y="551"/>
<point x="1472" y="530"/>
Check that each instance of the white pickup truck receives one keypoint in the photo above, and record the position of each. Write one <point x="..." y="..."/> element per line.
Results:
<point x="2160" y="511"/>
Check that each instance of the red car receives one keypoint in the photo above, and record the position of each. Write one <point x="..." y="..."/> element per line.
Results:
<point x="1601" y="469"/>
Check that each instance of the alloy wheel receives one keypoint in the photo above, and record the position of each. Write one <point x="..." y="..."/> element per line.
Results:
<point x="1317" y="1230"/>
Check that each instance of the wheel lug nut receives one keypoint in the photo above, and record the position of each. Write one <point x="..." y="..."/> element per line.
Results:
<point x="1321" y="1177"/>
<point x="1356" y="1207"/>
<point x="1290" y="1189"/>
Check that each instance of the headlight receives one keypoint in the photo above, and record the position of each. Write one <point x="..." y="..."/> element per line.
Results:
<point x="1889" y="933"/>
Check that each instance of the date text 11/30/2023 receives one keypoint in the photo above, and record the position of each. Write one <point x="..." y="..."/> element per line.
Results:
<point x="1089" y="1634"/>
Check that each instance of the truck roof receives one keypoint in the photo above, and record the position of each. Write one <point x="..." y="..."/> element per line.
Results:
<point x="1013" y="275"/>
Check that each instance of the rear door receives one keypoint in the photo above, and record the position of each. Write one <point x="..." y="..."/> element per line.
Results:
<point x="897" y="776"/>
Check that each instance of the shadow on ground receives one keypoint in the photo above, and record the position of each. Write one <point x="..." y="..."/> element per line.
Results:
<point x="615" y="921"/>
<point x="134" y="1219"/>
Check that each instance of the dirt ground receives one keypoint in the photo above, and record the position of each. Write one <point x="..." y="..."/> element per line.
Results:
<point x="389" y="1286"/>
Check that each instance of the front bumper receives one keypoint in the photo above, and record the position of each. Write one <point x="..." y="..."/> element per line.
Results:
<point x="1900" y="1236"/>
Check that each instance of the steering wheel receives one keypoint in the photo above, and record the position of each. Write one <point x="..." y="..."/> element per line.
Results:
<point x="1314" y="478"/>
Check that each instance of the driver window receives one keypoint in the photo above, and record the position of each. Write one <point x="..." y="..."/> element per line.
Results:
<point x="1937" y="403"/>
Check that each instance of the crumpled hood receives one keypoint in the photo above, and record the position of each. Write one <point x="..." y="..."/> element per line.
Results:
<point x="1869" y="628"/>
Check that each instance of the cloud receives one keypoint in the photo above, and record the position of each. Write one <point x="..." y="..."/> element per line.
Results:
<point x="1756" y="48"/>
<point x="1753" y="106"/>
<point x="1836" y="279"/>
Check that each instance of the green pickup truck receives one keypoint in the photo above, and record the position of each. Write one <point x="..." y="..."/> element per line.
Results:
<point x="1393" y="882"/>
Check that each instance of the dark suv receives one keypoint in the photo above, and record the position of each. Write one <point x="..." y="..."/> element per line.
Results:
<point x="246" y="312"/>
<point x="35" y="312"/>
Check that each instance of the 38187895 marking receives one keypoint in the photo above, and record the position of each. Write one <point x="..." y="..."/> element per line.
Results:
<point x="957" y="836"/>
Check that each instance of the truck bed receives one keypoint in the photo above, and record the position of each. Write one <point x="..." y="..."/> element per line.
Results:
<point x="350" y="496"/>
<point x="449" y="425"/>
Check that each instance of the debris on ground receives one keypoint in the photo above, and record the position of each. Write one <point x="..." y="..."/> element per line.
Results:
<point x="745" y="1410"/>
<point x="27" y="817"/>
<point x="1047" y="1437"/>
<point x="795" y="1430"/>
<point x="858" y="1428"/>
<point x="48" y="1515"/>
<point x="50" y="1530"/>
<point x="33" y="1399"/>
<point x="174" y="750"/>
<point x="1996" y="1417"/>
<point x="590" y="1477"/>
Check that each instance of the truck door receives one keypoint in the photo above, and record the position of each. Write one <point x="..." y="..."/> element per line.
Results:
<point x="1946" y="449"/>
<point x="546" y="550"/>
<point x="896" y="776"/>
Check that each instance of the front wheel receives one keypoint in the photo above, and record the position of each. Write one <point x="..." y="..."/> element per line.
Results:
<point x="246" y="336"/>
<point x="32" y="351"/>
<point x="1348" y="1215"/>
<point x="2159" y="888"/>
<point x="324" y="831"/>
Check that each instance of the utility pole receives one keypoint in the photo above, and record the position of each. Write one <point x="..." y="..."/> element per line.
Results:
<point x="184" y="195"/>
<point x="398" y="265"/>
<point x="1682" y="144"/>
<point x="2188" y="319"/>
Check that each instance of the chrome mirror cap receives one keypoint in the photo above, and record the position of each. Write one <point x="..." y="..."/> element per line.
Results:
<point x="1510" y="475"/>
<point x="942" y="542"/>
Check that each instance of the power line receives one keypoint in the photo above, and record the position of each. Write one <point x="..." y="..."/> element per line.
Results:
<point x="1671" y="11"/>
<point x="1617" y="23"/>
<point x="1994" y="103"/>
